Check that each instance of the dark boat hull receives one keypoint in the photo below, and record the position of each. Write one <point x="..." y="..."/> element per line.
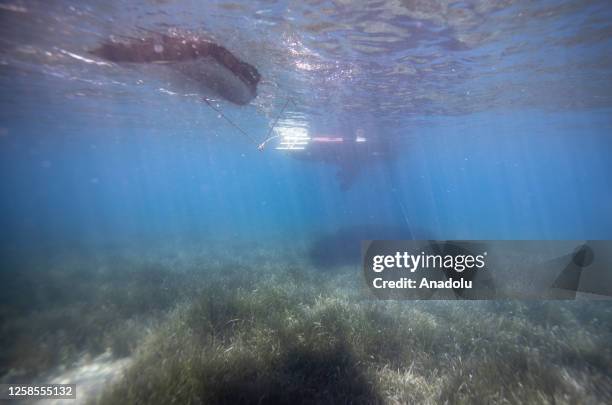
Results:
<point x="210" y="65"/>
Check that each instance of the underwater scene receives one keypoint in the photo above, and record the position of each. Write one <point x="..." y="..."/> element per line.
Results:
<point x="185" y="187"/>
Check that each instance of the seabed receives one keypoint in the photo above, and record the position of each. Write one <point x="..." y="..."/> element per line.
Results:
<point x="210" y="327"/>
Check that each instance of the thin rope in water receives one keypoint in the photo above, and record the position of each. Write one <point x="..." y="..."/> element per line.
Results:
<point x="280" y="114"/>
<point x="268" y="138"/>
<point x="243" y="132"/>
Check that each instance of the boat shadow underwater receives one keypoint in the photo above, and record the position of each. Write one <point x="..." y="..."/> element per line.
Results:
<point x="343" y="246"/>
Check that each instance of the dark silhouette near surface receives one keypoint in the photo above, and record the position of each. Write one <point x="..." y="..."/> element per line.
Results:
<point x="201" y="60"/>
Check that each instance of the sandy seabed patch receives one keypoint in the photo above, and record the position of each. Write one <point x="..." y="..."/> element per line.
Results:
<point x="90" y="375"/>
